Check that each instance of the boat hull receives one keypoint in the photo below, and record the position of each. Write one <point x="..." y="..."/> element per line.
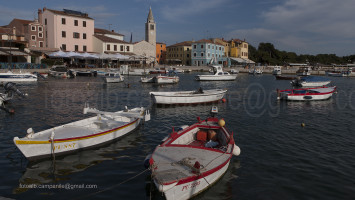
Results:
<point x="194" y="187"/>
<point x="162" y="98"/>
<point x="216" y="77"/>
<point x="310" y="94"/>
<point x="166" y="79"/>
<point x="34" y="149"/>
<point x="113" y="80"/>
<point x="314" y="84"/>
<point x="10" y="77"/>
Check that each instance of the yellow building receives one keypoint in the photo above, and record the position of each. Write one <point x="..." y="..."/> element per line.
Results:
<point x="238" y="48"/>
<point x="179" y="53"/>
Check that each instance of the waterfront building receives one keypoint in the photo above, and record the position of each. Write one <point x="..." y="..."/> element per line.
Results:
<point x="238" y="48"/>
<point x="179" y="53"/>
<point x="33" y="31"/>
<point x="107" y="33"/>
<point x="205" y="52"/>
<point x="68" y="30"/>
<point x="147" y="48"/>
<point x="160" y="53"/>
<point x="105" y="44"/>
<point x="12" y="46"/>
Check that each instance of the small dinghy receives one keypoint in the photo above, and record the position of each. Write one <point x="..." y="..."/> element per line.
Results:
<point x="192" y="159"/>
<point x="306" y="94"/>
<point x="188" y="97"/>
<point x="93" y="131"/>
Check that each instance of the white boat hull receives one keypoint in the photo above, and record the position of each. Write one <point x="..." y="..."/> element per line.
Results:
<point x="166" y="79"/>
<point x="189" y="189"/>
<point x="216" y="77"/>
<point x="147" y="80"/>
<point x="74" y="136"/>
<point x="187" y="97"/>
<point x="113" y="80"/>
<point x="314" y="84"/>
<point x="17" y="77"/>
<point x="310" y="94"/>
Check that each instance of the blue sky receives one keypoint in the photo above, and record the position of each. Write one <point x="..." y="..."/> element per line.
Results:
<point x="301" y="26"/>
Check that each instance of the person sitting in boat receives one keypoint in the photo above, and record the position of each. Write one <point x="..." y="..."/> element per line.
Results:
<point x="212" y="136"/>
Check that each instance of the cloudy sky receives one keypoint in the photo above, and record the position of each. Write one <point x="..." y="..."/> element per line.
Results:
<point x="301" y="26"/>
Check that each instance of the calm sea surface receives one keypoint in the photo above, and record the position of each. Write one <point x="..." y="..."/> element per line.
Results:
<point x="279" y="158"/>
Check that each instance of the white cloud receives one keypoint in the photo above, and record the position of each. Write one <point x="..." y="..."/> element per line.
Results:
<point x="306" y="26"/>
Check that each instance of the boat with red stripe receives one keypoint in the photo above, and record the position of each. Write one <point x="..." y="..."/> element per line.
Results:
<point x="192" y="159"/>
<point x="306" y="94"/>
<point x="89" y="132"/>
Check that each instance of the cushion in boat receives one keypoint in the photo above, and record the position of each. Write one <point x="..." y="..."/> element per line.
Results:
<point x="201" y="135"/>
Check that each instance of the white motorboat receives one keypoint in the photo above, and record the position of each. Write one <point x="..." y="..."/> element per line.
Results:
<point x="104" y="127"/>
<point x="113" y="77"/>
<point x="304" y="71"/>
<point x="176" y="70"/>
<point x="166" y="79"/>
<point x="339" y="73"/>
<point x="218" y="75"/>
<point x="310" y="81"/>
<point x="306" y="94"/>
<point x="188" y="97"/>
<point x="234" y="71"/>
<point x="192" y="159"/>
<point x="256" y="71"/>
<point x="277" y="70"/>
<point x="148" y="79"/>
<point x="17" y="77"/>
<point x="61" y="71"/>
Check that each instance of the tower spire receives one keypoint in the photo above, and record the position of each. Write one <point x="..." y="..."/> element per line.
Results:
<point x="150" y="18"/>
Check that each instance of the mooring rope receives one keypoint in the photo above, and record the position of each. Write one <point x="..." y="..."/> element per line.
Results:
<point x="109" y="188"/>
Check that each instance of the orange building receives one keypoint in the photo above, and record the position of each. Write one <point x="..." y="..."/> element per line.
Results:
<point x="161" y="52"/>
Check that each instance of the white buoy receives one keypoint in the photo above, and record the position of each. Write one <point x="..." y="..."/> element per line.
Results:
<point x="236" y="150"/>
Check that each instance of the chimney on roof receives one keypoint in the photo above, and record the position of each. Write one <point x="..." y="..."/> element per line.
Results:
<point x="44" y="9"/>
<point x="113" y="31"/>
<point x="40" y="15"/>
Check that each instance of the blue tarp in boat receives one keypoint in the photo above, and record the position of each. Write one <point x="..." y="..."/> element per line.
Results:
<point x="314" y="79"/>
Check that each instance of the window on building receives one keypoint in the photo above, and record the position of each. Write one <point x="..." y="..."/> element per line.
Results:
<point x="63" y="20"/>
<point x="115" y="47"/>
<point x="157" y="56"/>
<point x="64" y="47"/>
<point x="33" y="28"/>
<point x="76" y="22"/>
<point x="108" y="47"/>
<point x="33" y="37"/>
<point x="212" y="47"/>
<point x="209" y="47"/>
<point x="40" y="29"/>
<point x="76" y="47"/>
<point x="76" y="35"/>
<point x="40" y="35"/>
<point x="45" y="21"/>
<point x="84" y="36"/>
<point x="201" y="62"/>
<point x="161" y="51"/>
<point x="127" y="48"/>
<point x="64" y="34"/>
<point x="201" y="46"/>
<point x="188" y="49"/>
<point x="188" y="55"/>
<point x="84" y="23"/>
<point x="195" y="46"/>
<point x="201" y="54"/>
<point x="208" y="54"/>
<point x="84" y="48"/>
<point x="121" y="48"/>
<point x="40" y="44"/>
<point x="220" y="48"/>
<point x="194" y="55"/>
<point x="152" y="27"/>
<point x="161" y="46"/>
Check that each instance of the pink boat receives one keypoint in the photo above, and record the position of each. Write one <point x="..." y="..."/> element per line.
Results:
<point x="192" y="159"/>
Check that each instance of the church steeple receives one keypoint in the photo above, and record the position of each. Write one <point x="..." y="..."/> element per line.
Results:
<point x="150" y="29"/>
<point x="150" y="18"/>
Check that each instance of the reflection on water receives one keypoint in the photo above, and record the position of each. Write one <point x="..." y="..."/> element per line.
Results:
<point x="60" y="169"/>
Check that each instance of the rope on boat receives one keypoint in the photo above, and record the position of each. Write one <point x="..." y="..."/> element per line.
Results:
<point x="109" y="188"/>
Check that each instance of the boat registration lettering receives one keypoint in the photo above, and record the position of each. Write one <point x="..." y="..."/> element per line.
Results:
<point x="192" y="185"/>
<point x="64" y="146"/>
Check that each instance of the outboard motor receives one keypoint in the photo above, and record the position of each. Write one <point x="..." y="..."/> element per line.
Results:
<point x="11" y="87"/>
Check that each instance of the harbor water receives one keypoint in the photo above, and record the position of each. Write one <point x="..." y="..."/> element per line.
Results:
<point x="280" y="159"/>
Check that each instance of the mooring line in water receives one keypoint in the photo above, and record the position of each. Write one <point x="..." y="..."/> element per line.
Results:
<point x="109" y="188"/>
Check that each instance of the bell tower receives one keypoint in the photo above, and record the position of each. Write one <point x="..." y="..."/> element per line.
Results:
<point x="150" y="29"/>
